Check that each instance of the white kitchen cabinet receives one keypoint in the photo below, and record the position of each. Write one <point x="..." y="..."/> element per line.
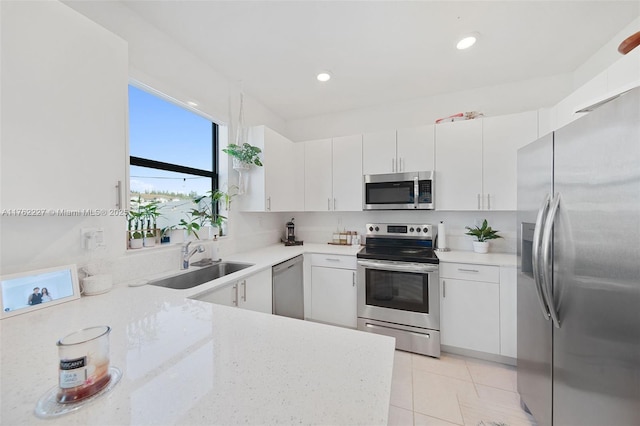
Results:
<point x="508" y="311"/>
<point x="333" y="174"/>
<point x="64" y="110"/>
<point x="458" y="165"/>
<point x="275" y="187"/>
<point x="502" y="136"/>
<point x="318" y="183"/>
<point x="254" y="293"/>
<point x="415" y="148"/>
<point x="470" y="307"/>
<point x="334" y="290"/>
<point x="407" y="150"/>
<point x="476" y="161"/>
<point x="379" y="152"/>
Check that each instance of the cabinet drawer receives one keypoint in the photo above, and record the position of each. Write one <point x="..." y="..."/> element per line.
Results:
<point x="334" y="261"/>
<point x="468" y="271"/>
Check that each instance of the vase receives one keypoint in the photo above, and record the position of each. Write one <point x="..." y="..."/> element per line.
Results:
<point x="481" y="246"/>
<point x="177" y="236"/>
<point x="241" y="167"/>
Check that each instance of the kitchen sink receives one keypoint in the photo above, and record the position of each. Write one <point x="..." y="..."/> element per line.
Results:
<point x="200" y="276"/>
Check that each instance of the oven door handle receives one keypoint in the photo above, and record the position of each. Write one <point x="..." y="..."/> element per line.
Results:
<point x="399" y="266"/>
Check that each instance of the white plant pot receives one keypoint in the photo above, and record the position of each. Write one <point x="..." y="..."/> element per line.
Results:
<point x="149" y="241"/>
<point x="135" y="243"/>
<point x="481" y="246"/>
<point x="177" y="236"/>
<point x="207" y="232"/>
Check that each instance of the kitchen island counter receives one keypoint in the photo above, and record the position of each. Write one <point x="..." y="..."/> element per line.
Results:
<point x="190" y="362"/>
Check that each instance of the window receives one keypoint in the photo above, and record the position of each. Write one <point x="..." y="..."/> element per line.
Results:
<point x="172" y="156"/>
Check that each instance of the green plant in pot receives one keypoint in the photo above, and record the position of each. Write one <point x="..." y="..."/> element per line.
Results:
<point x="135" y="225"/>
<point x="483" y="235"/>
<point x="192" y="227"/>
<point x="244" y="156"/>
<point x="150" y="214"/>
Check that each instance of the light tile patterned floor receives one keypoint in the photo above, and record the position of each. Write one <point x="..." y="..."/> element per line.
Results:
<point x="454" y="390"/>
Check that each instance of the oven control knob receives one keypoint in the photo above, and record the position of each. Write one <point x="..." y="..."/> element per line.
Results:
<point x="371" y="229"/>
<point x="411" y="229"/>
<point x="425" y="230"/>
<point x="377" y="229"/>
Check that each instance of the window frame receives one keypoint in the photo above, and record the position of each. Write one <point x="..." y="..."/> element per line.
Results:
<point x="172" y="167"/>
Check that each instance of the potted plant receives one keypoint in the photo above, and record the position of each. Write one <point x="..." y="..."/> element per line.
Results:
<point x="135" y="232"/>
<point x="165" y="234"/>
<point x="482" y="234"/>
<point x="192" y="227"/>
<point x="243" y="156"/>
<point x="150" y="215"/>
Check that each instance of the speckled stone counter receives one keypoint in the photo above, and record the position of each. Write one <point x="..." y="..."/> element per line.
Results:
<point x="190" y="362"/>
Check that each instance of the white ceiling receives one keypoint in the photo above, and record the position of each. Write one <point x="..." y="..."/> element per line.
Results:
<point x="381" y="52"/>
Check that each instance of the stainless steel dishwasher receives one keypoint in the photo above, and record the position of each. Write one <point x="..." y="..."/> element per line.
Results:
<point x="288" y="298"/>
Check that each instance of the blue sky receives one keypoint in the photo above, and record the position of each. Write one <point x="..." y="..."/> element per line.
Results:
<point x="162" y="131"/>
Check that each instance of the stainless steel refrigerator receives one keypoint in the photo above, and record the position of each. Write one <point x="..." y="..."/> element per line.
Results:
<point x="579" y="270"/>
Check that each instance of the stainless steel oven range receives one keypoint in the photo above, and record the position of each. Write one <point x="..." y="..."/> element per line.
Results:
<point x="398" y="289"/>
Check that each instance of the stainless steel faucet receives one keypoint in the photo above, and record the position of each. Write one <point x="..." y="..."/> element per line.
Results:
<point x="186" y="254"/>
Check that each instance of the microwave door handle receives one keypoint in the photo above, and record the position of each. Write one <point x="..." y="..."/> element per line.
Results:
<point x="416" y="194"/>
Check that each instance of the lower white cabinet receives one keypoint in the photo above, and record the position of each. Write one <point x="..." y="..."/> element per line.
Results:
<point x="470" y="308"/>
<point x="334" y="290"/>
<point x="254" y="292"/>
<point x="508" y="311"/>
<point x="478" y="308"/>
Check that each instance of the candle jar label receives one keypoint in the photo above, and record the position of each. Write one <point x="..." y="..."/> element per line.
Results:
<point x="73" y="372"/>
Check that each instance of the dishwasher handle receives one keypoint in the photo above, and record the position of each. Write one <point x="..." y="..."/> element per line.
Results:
<point x="286" y="264"/>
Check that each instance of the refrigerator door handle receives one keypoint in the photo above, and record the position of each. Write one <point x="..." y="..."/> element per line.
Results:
<point x="535" y="254"/>
<point x="547" y="271"/>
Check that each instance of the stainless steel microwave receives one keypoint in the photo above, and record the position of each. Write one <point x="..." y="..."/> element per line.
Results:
<point x="399" y="191"/>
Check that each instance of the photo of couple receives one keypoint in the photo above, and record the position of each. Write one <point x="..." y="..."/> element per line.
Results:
<point x="38" y="296"/>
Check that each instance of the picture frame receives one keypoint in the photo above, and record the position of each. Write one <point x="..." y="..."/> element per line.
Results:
<point x="18" y="293"/>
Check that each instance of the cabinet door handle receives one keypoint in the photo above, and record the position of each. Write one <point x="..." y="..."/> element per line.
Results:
<point x="235" y="291"/>
<point x="444" y="289"/>
<point x="334" y="204"/>
<point x="479" y="202"/>
<point x="332" y="260"/>
<point x="393" y="165"/>
<point x="401" y="168"/>
<point x="467" y="270"/>
<point x="244" y="290"/>
<point x="354" y="279"/>
<point x="269" y="203"/>
<point x="488" y="201"/>
<point x="119" y="195"/>
<point x="328" y="204"/>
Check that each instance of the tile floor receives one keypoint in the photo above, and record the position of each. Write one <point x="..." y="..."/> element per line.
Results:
<point x="454" y="390"/>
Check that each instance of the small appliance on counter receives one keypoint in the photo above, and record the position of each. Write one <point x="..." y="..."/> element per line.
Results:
<point x="290" y="234"/>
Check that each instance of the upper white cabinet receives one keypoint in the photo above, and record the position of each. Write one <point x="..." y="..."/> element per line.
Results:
<point x="64" y="109"/>
<point x="476" y="161"/>
<point x="379" y="152"/>
<point x="459" y="165"/>
<point x="502" y="136"/>
<point x="333" y="174"/>
<point x="407" y="150"/>
<point x="416" y="149"/>
<point x="277" y="185"/>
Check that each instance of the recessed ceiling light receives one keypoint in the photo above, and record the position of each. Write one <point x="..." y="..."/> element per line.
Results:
<point x="467" y="41"/>
<point x="324" y="76"/>
<point x="191" y="103"/>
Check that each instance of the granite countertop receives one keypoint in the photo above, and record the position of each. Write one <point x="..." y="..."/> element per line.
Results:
<point x="190" y="362"/>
